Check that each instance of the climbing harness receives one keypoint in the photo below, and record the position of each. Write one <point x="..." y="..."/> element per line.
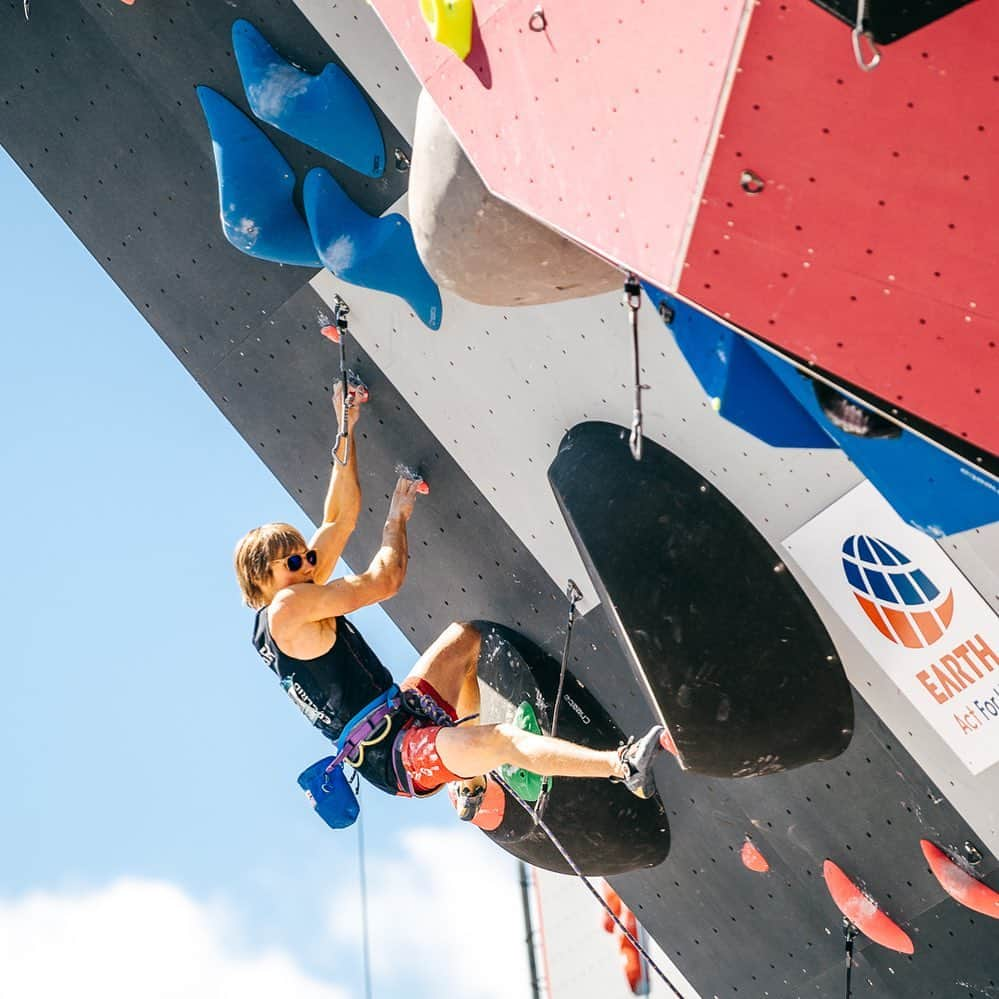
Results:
<point x="589" y="884"/>
<point x="849" y="933"/>
<point x="573" y="595"/>
<point x="332" y="793"/>
<point x="426" y="708"/>
<point x="325" y="784"/>
<point x="353" y="389"/>
<point x="423" y="708"/>
<point x="633" y="301"/>
<point x="860" y="34"/>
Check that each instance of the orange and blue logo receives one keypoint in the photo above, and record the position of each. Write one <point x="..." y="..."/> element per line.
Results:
<point x="900" y="600"/>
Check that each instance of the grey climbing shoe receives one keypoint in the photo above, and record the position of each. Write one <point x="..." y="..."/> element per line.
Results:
<point x="638" y="757"/>
<point x="469" y="795"/>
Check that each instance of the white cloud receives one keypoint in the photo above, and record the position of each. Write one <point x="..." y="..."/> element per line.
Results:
<point x="445" y="916"/>
<point x="136" y="938"/>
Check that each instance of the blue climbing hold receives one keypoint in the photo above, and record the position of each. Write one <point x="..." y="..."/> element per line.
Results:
<point x="741" y="387"/>
<point x="255" y="188"/>
<point x="934" y="491"/>
<point x="377" y="253"/>
<point x="328" y="112"/>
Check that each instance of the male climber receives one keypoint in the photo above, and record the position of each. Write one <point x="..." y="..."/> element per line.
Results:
<point x="333" y="676"/>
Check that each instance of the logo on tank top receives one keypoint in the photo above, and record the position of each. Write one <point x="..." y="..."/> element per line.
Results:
<point x="899" y="599"/>
<point x="305" y="703"/>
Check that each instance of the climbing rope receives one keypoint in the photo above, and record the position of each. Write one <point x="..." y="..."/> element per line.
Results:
<point x="586" y="881"/>
<point x="364" y="898"/>
<point x="573" y="595"/>
<point x="633" y="301"/>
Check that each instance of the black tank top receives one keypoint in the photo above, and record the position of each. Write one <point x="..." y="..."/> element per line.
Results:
<point x="333" y="687"/>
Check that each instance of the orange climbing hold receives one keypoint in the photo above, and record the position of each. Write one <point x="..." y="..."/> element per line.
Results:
<point x="864" y="912"/>
<point x="752" y="857"/>
<point x="960" y="885"/>
<point x="615" y="905"/>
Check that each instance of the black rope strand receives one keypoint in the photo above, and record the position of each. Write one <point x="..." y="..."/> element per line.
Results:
<point x="574" y="595"/>
<point x="586" y="881"/>
<point x="364" y="898"/>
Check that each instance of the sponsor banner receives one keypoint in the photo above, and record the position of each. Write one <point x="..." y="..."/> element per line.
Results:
<point x="924" y="624"/>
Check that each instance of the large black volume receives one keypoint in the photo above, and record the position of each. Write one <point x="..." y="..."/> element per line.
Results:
<point x="601" y="825"/>
<point x="728" y="645"/>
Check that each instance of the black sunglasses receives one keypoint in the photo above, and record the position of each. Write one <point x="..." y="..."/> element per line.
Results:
<point x="294" y="562"/>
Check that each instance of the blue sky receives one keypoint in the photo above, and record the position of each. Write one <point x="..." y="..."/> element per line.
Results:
<point x="150" y="815"/>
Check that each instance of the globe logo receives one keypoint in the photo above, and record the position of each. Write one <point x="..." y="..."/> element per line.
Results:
<point x="899" y="599"/>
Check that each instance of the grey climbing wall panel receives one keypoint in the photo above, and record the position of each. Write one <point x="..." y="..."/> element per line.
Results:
<point x="97" y="105"/>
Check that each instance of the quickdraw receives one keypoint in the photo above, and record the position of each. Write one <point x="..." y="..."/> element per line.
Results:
<point x="353" y="390"/>
<point x="861" y="34"/>
<point x="633" y="301"/>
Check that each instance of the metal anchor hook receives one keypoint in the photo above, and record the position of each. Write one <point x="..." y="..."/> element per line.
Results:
<point x="538" y="21"/>
<point x="633" y="301"/>
<point x="860" y="34"/>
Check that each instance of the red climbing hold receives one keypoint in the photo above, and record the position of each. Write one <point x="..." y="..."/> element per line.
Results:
<point x="632" y="963"/>
<point x="614" y="904"/>
<point x="666" y="741"/>
<point x="406" y="472"/>
<point x="960" y="885"/>
<point x="752" y="857"/>
<point x="864" y="912"/>
<point x="331" y="333"/>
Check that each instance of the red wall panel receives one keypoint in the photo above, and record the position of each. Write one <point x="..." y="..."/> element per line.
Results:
<point x="873" y="248"/>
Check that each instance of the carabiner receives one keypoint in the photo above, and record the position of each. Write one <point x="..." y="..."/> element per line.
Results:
<point x="859" y="34"/>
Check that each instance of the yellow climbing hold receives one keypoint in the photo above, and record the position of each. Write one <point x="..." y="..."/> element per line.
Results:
<point x="450" y="23"/>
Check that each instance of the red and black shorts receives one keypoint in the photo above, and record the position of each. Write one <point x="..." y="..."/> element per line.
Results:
<point x="417" y="765"/>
